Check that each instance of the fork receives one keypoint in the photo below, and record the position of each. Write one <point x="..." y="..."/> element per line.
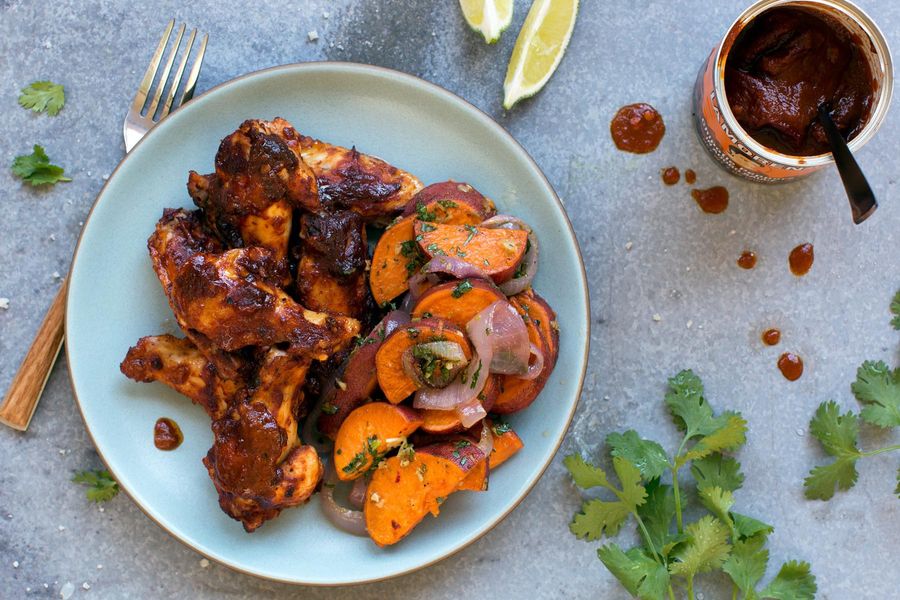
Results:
<point x="28" y="384"/>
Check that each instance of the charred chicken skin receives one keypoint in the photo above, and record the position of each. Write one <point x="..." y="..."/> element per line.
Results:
<point x="331" y="274"/>
<point x="359" y="182"/>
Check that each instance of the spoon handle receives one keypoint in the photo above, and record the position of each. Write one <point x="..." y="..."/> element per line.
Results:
<point x="862" y="198"/>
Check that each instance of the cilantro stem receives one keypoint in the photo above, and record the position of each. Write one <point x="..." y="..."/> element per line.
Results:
<point x="734" y="591"/>
<point x="690" y="587"/>
<point x="671" y="593"/>
<point x="677" y="499"/>
<point x="646" y="535"/>
<point x="880" y="450"/>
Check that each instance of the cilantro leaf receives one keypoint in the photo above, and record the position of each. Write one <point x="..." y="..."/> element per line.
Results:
<point x="647" y="455"/>
<point x="729" y="435"/>
<point x="793" y="582"/>
<point x="584" y="474"/>
<point x="657" y="513"/>
<point x="691" y="412"/>
<point x="837" y="433"/>
<point x="895" y="309"/>
<point x="101" y="485"/>
<point x="746" y="565"/>
<point x="706" y="549"/>
<point x="642" y="576"/>
<point x="36" y="169"/>
<point x="878" y="388"/>
<point x="747" y="527"/>
<point x="717" y="470"/>
<point x="43" y="96"/>
<point x="599" y="517"/>
<point x="718" y="502"/>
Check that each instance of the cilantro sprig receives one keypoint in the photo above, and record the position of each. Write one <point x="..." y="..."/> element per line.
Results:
<point x="877" y="389"/>
<point x="35" y="168"/>
<point x="43" y="96"/>
<point x="101" y="485"/>
<point x="672" y="553"/>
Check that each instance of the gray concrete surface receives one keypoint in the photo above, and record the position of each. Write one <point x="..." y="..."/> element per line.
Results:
<point x="681" y="267"/>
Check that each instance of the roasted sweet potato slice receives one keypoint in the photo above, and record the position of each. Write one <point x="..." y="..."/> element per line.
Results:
<point x="506" y="442"/>
<point x="497" y="252"/>
<point x="477" y="479"/>
<point x="392" y="378"/>
<point x="445" y="421"/>
<point x="451" y="203"/>
<point x="356" y="381"/>
<point x="540" y="320"/>
<point x="457" y="301"/>
<point x="368" y="433"/>
<point x="403" y="491"/>
<point x="397" y="256"/>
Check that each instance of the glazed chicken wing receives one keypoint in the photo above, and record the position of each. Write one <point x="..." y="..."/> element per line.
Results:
<point x="260" y="179"/>
<point x="331" y="274"/>
<point x="180" y="365"/>
<point x="233" y="298"/>
<point x="257" y="462"/>
<point x="359" y="182"/>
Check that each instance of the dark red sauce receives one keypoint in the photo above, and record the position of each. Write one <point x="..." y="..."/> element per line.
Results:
<point x="801" y="259"/>
<point x="791" y="366"/>
<point x="747" y="260"/>
<point x="166" y="434"/>
<point x="637" y="128"/>
<point x="713" y="200"/>
<point x="670" y="175"/>
<point x="690" y="177"/>
<point x="771" y="337"/>
<point x="785" y="64"/>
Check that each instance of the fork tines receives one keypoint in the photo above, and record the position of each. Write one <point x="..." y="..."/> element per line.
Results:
<point x="163" y="83"/>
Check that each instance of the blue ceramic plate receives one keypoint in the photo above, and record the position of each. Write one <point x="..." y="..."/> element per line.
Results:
<point x="115" y="298"/>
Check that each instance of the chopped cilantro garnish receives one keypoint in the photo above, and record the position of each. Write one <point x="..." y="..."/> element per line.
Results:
<point x="461" y="288"/>
<point x="423" y="213"/>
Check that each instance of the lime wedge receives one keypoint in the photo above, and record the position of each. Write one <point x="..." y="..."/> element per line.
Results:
<point x="490" y="18"/>
<point x="539" y="48"/>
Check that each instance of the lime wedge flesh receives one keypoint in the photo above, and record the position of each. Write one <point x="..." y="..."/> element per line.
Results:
<point x="539" y="48"/>
<point x="490" y="18"/>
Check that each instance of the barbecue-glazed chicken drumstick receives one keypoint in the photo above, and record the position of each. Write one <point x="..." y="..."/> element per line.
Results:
<point x="331" y="274"/>
<point x="257" y="462"/>
<point x="260" y="179"/>
<point x="234" y="298"/>
<point x="359" y="182"/>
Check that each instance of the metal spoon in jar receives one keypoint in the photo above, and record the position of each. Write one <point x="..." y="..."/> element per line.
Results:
<point x="862" y="199"/>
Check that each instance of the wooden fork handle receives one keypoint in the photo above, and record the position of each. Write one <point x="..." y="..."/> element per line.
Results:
<point x="28" y="384"/>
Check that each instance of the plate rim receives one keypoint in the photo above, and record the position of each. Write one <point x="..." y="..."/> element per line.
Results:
<point x="488" y="121"/>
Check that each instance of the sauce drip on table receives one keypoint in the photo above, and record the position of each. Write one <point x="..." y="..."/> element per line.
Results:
<point x="637" y="128"/>
<point x="670" y="175"/>
<point x="771" y="337"/>
<point x="747" y="260"/>
<point x="713" y="200"/>
<point x="690" y="177"/>
<point x="801" y="259"/>
<point x="791" y="366"/>
<point x="166" y="434"/>
<point x="785" y="64"/>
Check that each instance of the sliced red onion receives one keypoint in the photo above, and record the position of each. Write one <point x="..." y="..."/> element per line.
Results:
<point x="456" y="268"/>
<point x="529" y="261"/>
<point x="486" y="441"/>
<point x="470" y="412"/>
<point x="357" y="495"/>
<point x="534" y="368"/>
<point x="451" y="355"/>
<point x="501" y="327"/>
<point x="351" y="521"/>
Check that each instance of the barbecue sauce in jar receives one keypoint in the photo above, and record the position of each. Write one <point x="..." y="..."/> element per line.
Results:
<point x="785" y="64"/>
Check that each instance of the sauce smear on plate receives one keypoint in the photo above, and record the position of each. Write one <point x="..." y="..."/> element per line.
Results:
<point x="637" y="128"/>
<point x="166" y="434"/>
<point x="713" y="200"/>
